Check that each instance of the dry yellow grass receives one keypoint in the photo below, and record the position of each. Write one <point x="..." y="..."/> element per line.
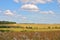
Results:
<point x="35" y="27"/>
<point x="32" y="25"/>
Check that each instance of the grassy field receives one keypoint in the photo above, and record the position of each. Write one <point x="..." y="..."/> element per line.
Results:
<point x="31" y="27"/>
<point x="30" y="32"/>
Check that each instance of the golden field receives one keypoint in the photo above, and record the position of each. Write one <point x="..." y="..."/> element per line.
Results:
<point x="30" y="32"/>
<point x="33" y="27"/>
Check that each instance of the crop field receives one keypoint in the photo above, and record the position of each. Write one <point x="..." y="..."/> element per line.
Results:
<point x="31" y="27"/>
<point x="29" y="31"/>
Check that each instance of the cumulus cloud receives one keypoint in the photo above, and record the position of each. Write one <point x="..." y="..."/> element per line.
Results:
<point x="34" y="8"/>
<point x="47" y="12"/>
<point x="8" y="12"/>
<point x="14" y="14"/>
<point x="34" y="1"/>
<point x="29" y="7"/>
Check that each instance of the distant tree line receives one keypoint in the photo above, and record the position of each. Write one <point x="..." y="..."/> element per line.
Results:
<point x="7" y="22"/>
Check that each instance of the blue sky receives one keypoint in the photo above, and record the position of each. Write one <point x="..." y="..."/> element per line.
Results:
<point x="30" y="11"/>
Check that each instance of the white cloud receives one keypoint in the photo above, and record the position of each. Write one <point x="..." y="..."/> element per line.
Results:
<point x="47" y="12"/>
<point x="24" y="18"/>
<point x="17" y="1"/>
<point x="8" y="12"/>
<point x="29" y="7"/>
<point x="14" y="14"/>
<point x="58" y="1"/>
<point x="51" y="12"/>
<point x="0" y="11"/>
<point x="34" y="8"/>
<point x="42" y="1"/>
<point x="33" y="1"/>
<point x="25" y="1"/>
<point x="21" y="16"/>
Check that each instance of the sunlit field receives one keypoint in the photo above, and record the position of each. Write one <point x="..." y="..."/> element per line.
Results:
<point x="31" y="27"/>
<point x="29" y="31"/>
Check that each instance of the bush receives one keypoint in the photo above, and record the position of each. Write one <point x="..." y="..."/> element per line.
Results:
<point x="4" y="26"/>
<point x="29" y="27"/>
<point x="4" y="30"/>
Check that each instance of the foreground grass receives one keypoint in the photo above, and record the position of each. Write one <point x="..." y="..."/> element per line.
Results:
<point x="46" y="35"/>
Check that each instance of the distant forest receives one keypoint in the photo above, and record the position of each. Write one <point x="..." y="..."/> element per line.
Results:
<point x="7" y="22"/>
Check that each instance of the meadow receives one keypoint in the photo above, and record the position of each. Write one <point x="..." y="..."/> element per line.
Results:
<point x="29" y="31"/>
<point x="30" y="27"/>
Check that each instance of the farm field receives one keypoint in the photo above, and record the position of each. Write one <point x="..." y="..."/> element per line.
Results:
<point x="30" y="32"/>
<point x="31" y="27"/>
